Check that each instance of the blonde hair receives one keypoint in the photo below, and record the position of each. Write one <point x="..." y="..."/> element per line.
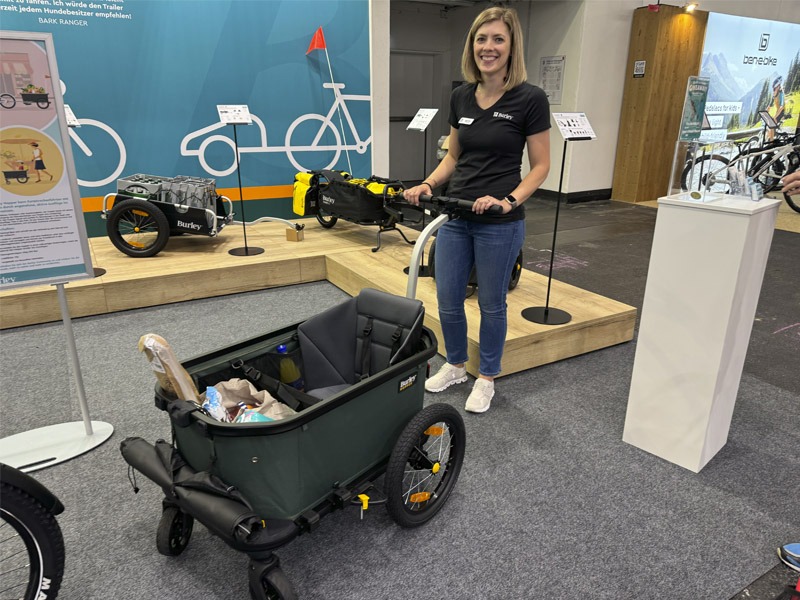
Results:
<point x="516" y="73"/>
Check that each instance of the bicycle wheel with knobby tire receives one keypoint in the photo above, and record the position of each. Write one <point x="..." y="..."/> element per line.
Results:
<point x="424" y="465"/>
<point x="137" y="228"/>
<point x="708" y="171"/>
<point x="174" y="531"/>
<point x="31" y="547"/>
<point x="276" y="586"/>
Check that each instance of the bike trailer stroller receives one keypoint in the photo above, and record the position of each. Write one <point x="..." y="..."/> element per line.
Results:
<point x="258" y="485"/>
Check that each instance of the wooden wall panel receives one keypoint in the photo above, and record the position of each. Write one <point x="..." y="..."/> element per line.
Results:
<point x="671" y="43"/>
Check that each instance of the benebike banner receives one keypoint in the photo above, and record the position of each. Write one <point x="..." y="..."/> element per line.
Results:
<point x="752" y="65"/>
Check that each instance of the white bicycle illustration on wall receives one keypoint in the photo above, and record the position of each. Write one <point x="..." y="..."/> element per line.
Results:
<point x="326" y="126"/>
<point x="88" y="152"/>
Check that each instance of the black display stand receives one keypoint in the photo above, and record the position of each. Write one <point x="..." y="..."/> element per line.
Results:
<point x="245" y="251"/>
<point x="546" y="315"/>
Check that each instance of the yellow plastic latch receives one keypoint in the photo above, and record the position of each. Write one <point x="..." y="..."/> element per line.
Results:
<point x="435" y="468"/>
<point x="364" y="501"/>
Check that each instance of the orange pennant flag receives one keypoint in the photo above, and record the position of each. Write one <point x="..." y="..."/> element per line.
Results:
<point x="317" y="42"/>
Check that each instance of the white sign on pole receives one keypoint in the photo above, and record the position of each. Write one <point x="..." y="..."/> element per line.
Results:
<point x="234" y="114"/>
<point x="422" y="119"/>
<point x="72" y="120"/>
<point x="574" y="126"/>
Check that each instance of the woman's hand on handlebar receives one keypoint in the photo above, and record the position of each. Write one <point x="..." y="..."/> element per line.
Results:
<point x="484" y="204"/>
<point x="412" y="194"/>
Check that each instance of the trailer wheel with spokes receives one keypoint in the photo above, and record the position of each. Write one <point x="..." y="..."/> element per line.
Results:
<point x="137" y="228"/>
<point x="424" y="465"/>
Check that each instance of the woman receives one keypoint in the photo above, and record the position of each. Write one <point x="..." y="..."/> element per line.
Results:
<point x="38" y="162"/>
<point x="493" y="117"/>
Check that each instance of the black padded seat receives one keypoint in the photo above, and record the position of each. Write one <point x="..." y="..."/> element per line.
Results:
<point x="358" y="338"/>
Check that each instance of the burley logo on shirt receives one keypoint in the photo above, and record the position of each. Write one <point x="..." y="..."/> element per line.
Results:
<point x="465" y="121"/>
<point x="503" y="116"/>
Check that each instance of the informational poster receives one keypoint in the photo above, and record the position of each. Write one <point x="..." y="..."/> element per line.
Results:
<point x="422" y="119"/>
<point x="694" y="107"/>
<point x="574" y="126"/>
<point x="551" y="77"/>
<point x="42" y="232"/>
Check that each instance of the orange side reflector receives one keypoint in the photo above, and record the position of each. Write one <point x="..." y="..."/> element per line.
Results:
<point x="434" y="430"/>
<point x="420" y="497"/>
<point x="140" y="213"/>
<point x="136" y="244"/>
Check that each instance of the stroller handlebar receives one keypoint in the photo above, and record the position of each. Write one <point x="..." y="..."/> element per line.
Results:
<point x="448" y="202"/>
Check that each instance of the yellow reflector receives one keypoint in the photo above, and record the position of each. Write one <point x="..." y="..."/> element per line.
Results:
<point x="420" y="497"/>
<point x="435" y="468"/>
<point x="141" y="213"/>
<point x="136" y="244"/>
<point x="434" y="430"/>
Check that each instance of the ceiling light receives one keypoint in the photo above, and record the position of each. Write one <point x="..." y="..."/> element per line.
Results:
<point x="690" y="6"/>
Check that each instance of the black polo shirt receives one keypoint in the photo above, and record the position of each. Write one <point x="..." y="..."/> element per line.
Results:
<point x="492" y="142"/>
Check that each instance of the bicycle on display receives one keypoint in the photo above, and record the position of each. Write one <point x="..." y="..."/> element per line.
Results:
<point x="309" y="126"/>
<point x="31" y="543"/>
<point x="766" y="164"/>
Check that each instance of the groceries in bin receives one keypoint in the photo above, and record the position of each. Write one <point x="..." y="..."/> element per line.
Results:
<point x="232" y="401"/>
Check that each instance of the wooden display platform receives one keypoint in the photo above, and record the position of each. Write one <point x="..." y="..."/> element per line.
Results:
<point x="193" y="267"/>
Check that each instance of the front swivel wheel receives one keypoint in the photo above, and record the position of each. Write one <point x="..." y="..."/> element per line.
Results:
<point x="174" y="531"/>
<point x="268" y="582"/>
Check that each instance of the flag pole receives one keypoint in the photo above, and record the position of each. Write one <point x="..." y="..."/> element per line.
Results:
<point x="339" y="110"/>
<point x="335" y="94"/>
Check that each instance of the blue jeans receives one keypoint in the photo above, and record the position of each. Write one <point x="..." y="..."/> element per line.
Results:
<point x="492" y="248"/>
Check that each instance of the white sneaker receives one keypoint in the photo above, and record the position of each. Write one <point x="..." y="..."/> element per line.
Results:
<point x="481" y="397"/>
<point x="445" y="377"/>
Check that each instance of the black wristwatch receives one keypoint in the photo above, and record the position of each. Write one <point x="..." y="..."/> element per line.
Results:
<point x="511" y="200"/>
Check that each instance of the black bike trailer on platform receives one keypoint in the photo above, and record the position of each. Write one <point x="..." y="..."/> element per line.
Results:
<point x="259" y="485"/>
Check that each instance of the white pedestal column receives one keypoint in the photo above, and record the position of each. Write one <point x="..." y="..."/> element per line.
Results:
<point x="706" y="268"/>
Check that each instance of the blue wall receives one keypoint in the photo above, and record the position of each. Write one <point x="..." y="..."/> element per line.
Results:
<point x="155" y="73"/>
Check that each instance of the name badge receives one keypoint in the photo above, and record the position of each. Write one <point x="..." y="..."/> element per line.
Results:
<point x="465" y="121"/>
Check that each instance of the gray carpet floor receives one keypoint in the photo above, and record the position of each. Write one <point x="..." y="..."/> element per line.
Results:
<point x="550" y="503"/>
